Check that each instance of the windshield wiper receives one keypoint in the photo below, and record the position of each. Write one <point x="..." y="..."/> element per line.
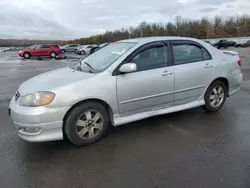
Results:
<point x="89" y="65"/>
<point x="79" y="66"/>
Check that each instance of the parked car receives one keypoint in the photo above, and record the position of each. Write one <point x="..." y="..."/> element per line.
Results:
<point x="231" y="43"/>
<point x="95" y="48"/>
<point x="222" y="44"/>
<point x="70" y="48"/>
<point x="85" y="50"/>
<point x="124" y="82"/>
<point x="243" y="43"/>
<point x="5" y="49"/>
<point x="41" y="50"/>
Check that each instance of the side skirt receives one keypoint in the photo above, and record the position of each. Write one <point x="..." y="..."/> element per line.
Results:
<point x="118" y="120"/>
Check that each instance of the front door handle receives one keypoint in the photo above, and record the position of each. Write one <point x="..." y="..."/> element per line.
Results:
<point x="208" y="66"/>
<point x="166" y="73"/>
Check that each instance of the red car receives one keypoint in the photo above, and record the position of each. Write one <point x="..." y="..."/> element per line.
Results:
<point x="51" y="50"/>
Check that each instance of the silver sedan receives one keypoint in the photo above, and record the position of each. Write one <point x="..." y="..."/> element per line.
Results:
<point x="124" y="82"/>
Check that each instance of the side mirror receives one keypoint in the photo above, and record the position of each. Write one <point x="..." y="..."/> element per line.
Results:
<point x="128" y="67"/>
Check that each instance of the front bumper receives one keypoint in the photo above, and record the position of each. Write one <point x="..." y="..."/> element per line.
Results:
<point x="37" y="124"/>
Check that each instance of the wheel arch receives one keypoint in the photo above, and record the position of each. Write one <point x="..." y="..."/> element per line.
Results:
<point x="26" y="53"/>
<point x="105" y="104"/>
<point x="52" y="51"/>
<point x="225" y="81"/>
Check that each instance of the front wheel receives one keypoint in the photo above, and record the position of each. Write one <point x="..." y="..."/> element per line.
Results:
<point x="86" y="124"/>
<point x="215" y="96"/>
<point x="26" y="55"/>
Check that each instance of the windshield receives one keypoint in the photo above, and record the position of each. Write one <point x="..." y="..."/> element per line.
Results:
<point x="32" y="47"/>
<point x="103" y="58"/>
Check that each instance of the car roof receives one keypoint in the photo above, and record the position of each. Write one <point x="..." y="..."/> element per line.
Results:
<point x="152" y="39"/>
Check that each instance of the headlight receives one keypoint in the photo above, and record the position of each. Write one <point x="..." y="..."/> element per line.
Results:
<point x="40" y="98"/>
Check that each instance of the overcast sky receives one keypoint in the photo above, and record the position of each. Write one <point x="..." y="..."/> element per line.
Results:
<point x="70" y="19"/>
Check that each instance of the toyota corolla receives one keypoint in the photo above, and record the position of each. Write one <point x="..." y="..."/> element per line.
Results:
<point x="124" y="82"/>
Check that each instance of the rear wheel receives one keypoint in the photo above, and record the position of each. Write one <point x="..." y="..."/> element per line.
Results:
<point x="83" y="52"/>
<point x="215" y="96"/>
<point x="86" y="124"/>
<point x="52" y="54"/>
<point x="26" y="55"/>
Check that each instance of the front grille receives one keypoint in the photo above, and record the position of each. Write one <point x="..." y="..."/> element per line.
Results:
<point x="17" y="95"/>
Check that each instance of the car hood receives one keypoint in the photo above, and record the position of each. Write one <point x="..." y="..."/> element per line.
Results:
<point x="52" y="79"/>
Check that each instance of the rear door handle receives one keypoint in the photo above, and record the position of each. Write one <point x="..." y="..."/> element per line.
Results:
<point x="166" y="73"/>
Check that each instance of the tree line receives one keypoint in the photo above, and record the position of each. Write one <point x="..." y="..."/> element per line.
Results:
<point x="26" y="42"/>
<point x="204" y="28"/>
<point x="235" y="26"/>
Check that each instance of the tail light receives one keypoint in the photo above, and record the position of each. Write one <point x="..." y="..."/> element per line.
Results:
<point x="239" y="62"/>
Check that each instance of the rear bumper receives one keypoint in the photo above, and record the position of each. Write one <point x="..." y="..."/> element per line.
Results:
<point x="237" y="79"/>
<point x="37" y="124"/>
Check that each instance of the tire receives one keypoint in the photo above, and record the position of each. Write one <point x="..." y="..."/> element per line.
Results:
<point x="210" y="94"/>
<point x="52" y="54"/>
<point x="83" y="52"/>
<point x="26" y="55"/>
<point x="79" y="128"/>
<point x="218" y="47"/>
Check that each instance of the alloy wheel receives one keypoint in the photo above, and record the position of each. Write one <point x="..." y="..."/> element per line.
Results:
<point x="216" y="96"/>
<point x="89" y="124"/>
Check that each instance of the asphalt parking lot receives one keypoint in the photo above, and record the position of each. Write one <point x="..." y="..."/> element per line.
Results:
<point x="191" y="148"/>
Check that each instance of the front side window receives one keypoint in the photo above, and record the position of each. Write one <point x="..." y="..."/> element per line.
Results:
<point x="151" y="58"/>
<point x="103" y="58"/>
<point x="44" y="46"/>
<point x="187" y="53"/>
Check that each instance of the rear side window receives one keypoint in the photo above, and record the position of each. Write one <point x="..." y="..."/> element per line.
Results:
<point x="56" y="46"/>
<point x="188" y="53"/>
<point x="205" y="54"/>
